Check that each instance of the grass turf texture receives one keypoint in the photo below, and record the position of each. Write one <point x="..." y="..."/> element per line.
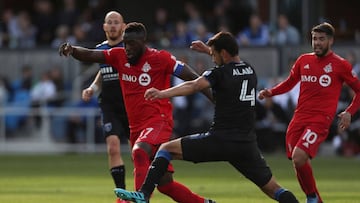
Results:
<point x="75" y="178"/>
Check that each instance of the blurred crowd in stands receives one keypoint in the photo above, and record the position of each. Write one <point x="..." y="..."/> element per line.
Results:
<point x="47" y="26"/>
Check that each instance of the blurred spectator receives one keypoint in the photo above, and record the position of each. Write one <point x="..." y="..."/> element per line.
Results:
<point x="20" y="98"/>
<point x="182" y="112"/>
<point x="7" y="23"/>
<point x="161" y="30"/>
<point x="43" y="90"/>
<point x="25" y="81"/>
<point x="256" y="34"/>
<point x="41" y="93"/>
<point x="69" y="14"/>
<point x="202" y="110"/>
<point x="194" y="18"/>
<point x="285" y="33"/>
<point x="4" y="91"/>
<point x="27" y="31"/>
<point x="351" y="57"/>
<point x="218" y="20"/>
<point x="271" y="125"/>
<point x="76" y="124"/>
<point x="21" y="31"/>
<point x="202" y="34"/>
<point x="347" y="143"/>
<point x="62" y="35"/>
<point x="79" y="33"/>
<point x="182" y="37"/>
<point x="56" y="76"/>
<point x="45" y="20"/>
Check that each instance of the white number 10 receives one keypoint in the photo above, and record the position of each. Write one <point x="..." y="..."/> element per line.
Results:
<point x="247" y="97"/>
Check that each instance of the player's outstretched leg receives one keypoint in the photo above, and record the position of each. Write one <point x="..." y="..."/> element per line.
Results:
<point x="137" y="197"/>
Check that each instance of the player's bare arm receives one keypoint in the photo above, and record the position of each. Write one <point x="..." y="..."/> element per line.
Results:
<point x="264" y="93"/>
<point x="188" y="74"/>
<point x="183" y="89"/>
<point x="200" y="46"/>
<point x="94" y="87"/>
<point x="81" y="53"/>
<point x="344" y="120"/>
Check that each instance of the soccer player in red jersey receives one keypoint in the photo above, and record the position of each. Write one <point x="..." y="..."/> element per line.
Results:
<point x="321" y="75"/>
<point x="150" y="122"/>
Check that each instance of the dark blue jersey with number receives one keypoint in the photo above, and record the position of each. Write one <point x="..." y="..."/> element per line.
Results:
<point x="234" y="88"/>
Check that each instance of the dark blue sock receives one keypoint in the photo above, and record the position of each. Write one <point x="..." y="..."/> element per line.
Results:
<point x="164" y="154"/>
<point x="278" y="193"/>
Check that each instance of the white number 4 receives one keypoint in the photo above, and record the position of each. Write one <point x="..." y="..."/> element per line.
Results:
<point x="247" y="97"/>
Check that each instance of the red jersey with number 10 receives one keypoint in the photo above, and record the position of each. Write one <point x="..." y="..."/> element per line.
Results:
<point x="321" y="80"/>
<point x="154" y="69"/>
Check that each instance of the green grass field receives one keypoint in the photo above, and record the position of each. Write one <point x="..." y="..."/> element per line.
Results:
<point x="84" y="178"/>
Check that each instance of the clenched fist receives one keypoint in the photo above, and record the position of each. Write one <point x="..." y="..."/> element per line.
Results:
<point x="65" y="49"/>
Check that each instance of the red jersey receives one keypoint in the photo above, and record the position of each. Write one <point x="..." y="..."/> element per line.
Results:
<point x="154" y="69"/>
<point x="321" y="80"/>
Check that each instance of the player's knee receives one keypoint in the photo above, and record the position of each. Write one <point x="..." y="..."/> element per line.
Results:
<point x="113" y="147"/>
<point x="298" y="160"/>
<point x="299" y="157"/>
<point x="140" y="155"/>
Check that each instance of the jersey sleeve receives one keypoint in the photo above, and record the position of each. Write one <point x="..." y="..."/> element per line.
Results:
<point x="351" y="79"/>
<point x="290" y="81"/>
<point x="173" y="66"/>
<point x="112" y="56"/>
<point x="211" y="76"/>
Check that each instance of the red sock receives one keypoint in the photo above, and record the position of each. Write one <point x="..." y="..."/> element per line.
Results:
<point x="180" y="193"/>
<point x="307" y="180"/>
<point x="141" y="166"/>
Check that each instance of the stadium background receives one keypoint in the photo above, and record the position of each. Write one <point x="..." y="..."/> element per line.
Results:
<point x="44" y="129"/>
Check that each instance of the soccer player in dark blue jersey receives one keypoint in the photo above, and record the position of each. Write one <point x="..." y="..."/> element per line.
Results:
<point x="232" y="136"/>
<point x="114" y="118"/>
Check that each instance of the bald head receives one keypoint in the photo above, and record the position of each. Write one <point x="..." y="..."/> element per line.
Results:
<point x="114" y="14"/>
<point x="113" y="27"/>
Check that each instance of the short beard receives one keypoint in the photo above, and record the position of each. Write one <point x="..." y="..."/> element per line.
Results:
<point x="133" y="60"/>
<point x="323" y="53"/>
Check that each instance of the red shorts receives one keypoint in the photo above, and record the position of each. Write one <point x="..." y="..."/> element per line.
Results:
<point x="306" y="135"/>
<point x="154" y="133"/>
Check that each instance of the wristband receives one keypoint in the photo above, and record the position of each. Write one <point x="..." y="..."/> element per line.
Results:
<point x="94" y="87"/>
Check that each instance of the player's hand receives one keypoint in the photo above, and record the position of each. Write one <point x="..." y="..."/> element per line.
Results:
<point x="87" y="94"/>
<point x="152" y="93"/>
<point x="264" y="93"/>
<point x="65" y="49"/>
<point x="200" y="46"/>
<point x="344" y="120"/>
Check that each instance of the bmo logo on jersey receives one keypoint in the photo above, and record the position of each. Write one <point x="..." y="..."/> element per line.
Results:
<point x="324" y="80"/>
<point x="144" y="78"/>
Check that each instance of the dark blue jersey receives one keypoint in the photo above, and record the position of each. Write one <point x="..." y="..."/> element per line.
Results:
<point x="234" y="89"/>
<point x="111" y="95"/>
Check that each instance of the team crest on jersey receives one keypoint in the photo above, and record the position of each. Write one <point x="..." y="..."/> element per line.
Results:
<point x="325" y="80"/>
<point x="328" y="68"/>
<point x="146" y="67"/>
<point x="144" y="79"/>
<point x="107" y="127"/>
